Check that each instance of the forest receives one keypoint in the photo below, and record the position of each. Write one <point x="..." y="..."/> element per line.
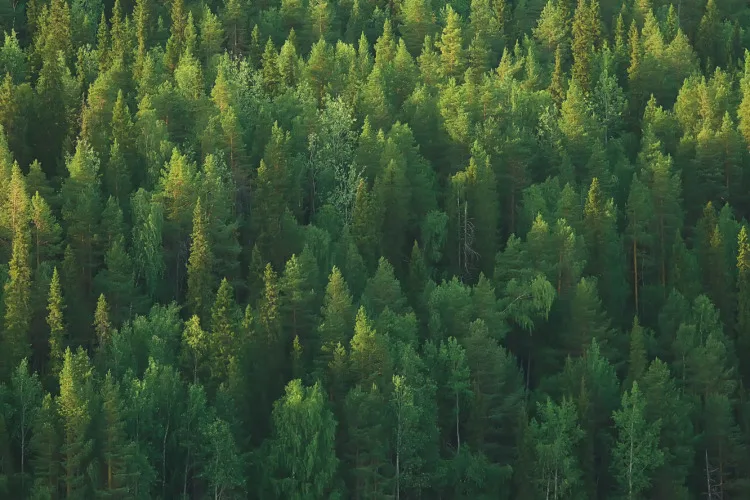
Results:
<point x="374" y="249"/>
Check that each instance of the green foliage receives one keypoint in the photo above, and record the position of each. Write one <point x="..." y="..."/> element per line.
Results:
<point x="300" y="460"/>
<point x="531" y="216"/>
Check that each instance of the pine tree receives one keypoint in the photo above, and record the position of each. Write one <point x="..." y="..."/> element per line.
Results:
<point x="117" y="281"/>
<point x="367" y="444"/>
<point x="45" y="231"/>
<point x="557" y="85"/>
<point x="416" y="22"/>
<point x="81" y="210"/>
<point x="73" y="405"/>
<point x="451" y="45"/>
<point x="369" y="357"/>
<point x="200" y="263"/>
<point x="585" y="38"/>
<point x="16" y="298"/>
<point x="102" y="325"/>
<point x="638" y="361"/>
<point x="605" y="257"/>
<point x="45" y="446"/>
<point x="57" y="336"/>
<point x="338" y="318"/>
<point x="224" y="341"/>
<point x="639" y="211"/>
<point x="115" y="449"/>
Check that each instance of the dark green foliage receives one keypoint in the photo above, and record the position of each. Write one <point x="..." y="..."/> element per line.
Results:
<point x="491" y="249"/>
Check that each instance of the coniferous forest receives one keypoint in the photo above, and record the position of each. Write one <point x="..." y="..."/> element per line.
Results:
<point x="375" y="249"/>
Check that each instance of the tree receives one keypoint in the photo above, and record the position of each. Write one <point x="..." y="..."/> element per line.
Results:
<point x="554" y="435"/>
<point x="81" y="210"/>
<point x="200" y="279"/>
<point x="452" y="358"/>
<point x="369" y="356"/>
<point x="338" y="318"/>
<point x="117" y="281"/>
<point x="638" y="358"/>
<point x="45" y="446"/>
<point x="223" y="340"/>
<point x="605" y="258"/>
<point x="102" y="325"/>
<point x="367" y="443"/>
<point x="26" y="400"/>
<point x="300" y="459"/>
<point x="45" y="231"/>
<point x="117" y="452"/>
<point x="416" y="22"/>
<point x="451" y="45"/>
<point x="195" y="347"/>
<point x="73" y="405"/>
<point x="57" y="336"/>
<point x="224" y="462"/>
<point x="585" y="37"/>
<point x="383" y="290"/>
<point x="16" y="298"/>
<point x="636" y="453"/>
<point x="639" y="211"/>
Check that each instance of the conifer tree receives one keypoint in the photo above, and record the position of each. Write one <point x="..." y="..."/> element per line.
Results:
<point x="638" y="361"/>
<point x="337" y="318"/>
<point x="451" y="45"/>
<point x="45" y="443"/>
<point x="74" y="407"/>
<point x="369" y="357"/>
<point x="102" y="325"/>
<point x="45" y="231"/>
<point x="200" y="263"/>
<point x="224" y="342"/>
<point x="416" y="22"/>
<point x="639" y="211"/>
<point x="115" y="448"/>
<point x="16" y="299"/>
<point x="585" y="37"/>
<point x="57" y="336"/>
<point x="81" y="210"/>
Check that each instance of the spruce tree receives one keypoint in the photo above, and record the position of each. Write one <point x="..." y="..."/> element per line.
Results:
<point x="58" y="340"/>
<point x="16" y="299"/>
<point x="451" y="45"/>
<point x="74" y="407"/>
<point x="199" y="269"/>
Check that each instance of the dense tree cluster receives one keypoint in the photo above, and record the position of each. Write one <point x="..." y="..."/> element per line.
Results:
<point x="374" y="249"/>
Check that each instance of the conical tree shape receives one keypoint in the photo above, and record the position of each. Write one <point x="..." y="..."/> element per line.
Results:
<point x="224" y="340"/>
<point x="17" y="301"/>
<point x="199" y="270"/>
<point x="57" y="335"/>
<point x="102" y="325"/>
<point x="338" y="318"/>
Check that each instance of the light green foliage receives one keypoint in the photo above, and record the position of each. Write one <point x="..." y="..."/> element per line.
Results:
<point x="513" y="203"/>
<point x="636" y="453"/>
<point x="300" y="459"/>
<point x="554" y="435"/>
